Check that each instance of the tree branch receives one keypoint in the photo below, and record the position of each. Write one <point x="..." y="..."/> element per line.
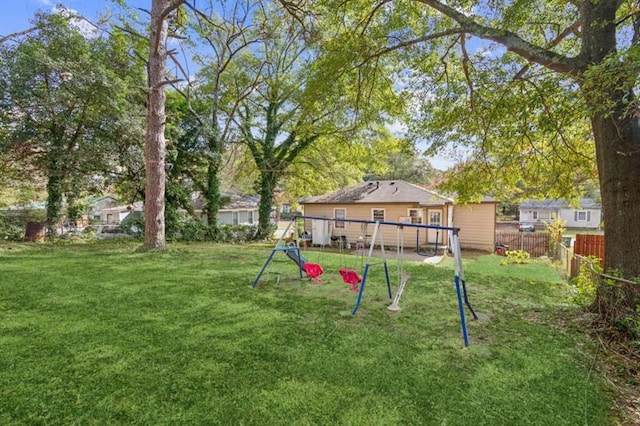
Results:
<point x="511" y="41"/>
<point x="17" y="34"/>
<point x="553" y="43"/>
<point x="166" y="83"/>
<point x="163" y="15"/>
<point x="465" y="69"/>
<point x="409" y="43"/>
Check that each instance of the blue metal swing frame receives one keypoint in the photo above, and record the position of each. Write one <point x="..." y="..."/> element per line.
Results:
<point x="459" y="281"/>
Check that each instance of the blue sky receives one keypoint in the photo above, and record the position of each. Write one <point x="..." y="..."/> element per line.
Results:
<point x="15" y="15"/>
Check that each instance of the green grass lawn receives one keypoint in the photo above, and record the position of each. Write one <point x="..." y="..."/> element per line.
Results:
<point x="102" y="334"/>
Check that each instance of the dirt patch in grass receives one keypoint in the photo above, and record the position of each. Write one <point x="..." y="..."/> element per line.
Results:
<point x="473" y="254"/>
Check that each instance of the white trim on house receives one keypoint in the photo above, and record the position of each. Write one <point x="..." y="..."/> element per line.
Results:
<point x="378" y="209"/>
<point x="413" y="217"/>
<point x="338" y="224"/>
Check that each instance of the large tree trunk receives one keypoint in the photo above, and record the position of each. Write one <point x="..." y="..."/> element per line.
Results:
<point x="614" y="126"/>
<point x="54" y="195"/>
<point x="618" y="156"/>
<point x="213" y="196"/>
<point x="268" y="182"/>
<point x="154" y="233"/>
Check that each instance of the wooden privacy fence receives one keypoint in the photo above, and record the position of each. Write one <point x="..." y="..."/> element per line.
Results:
<point x="534" y="243"/>
<point x="587" y="245"/>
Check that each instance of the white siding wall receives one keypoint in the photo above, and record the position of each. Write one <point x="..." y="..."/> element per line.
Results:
<point x="594" y="216"/>
<point x="226" y="217"/>
<point x="537" y="215"/>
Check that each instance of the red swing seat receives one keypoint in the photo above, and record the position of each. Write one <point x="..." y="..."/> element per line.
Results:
<point x="313" y="271"/>
<point x="351" y="277"/>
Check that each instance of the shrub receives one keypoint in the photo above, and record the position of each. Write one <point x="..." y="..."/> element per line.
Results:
<point x="11" y="228"/>
<point x="237" y="233"/>
<point x="519" y="257"/>
<point x="555" y="230"/>
<point x="190" y="229"/>
<point x="133" y="225"/>
<point x="585" y="283"/>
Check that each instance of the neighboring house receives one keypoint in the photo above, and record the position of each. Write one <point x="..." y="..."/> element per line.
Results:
<point x="97" y="204"/>
<point x="588" y="213"/>
<point x="115" y="215"/>
<point x="239" y="210"/>
<point x="400" y="201"/>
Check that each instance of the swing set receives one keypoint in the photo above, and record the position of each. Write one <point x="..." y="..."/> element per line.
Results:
<point x="358" y="281"/>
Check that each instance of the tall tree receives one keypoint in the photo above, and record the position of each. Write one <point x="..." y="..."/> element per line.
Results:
<point x="225" y="30"/>
<point x="63" y="95"/>
<point x="155" y="145"/>
<point x="299" y="101"/>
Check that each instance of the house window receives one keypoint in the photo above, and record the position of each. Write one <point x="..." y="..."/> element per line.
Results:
<point x="339" y="214"/>
<point x="435" y="218"/>
<point x="250" y="217"/>
<point x="582" y="216"/>
<point x="377" y="215"/>
<point x="416" y="216"/>
<point x="534" y="215"/>
<point x="234" y="218"/>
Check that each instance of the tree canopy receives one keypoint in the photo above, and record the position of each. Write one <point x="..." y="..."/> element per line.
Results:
<point x="68" y="103"/>
<point x="537" y="93"/>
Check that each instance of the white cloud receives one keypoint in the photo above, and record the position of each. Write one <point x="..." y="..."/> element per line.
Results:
<point x="76" y="20"/>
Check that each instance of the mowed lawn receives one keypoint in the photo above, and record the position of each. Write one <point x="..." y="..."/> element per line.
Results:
<point x="103" y="334"/>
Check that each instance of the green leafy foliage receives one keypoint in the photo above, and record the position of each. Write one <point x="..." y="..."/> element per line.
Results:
<point x="516" y="257"/>
<point x="586" y="282"/>
<point x="555" y="229"/>
<point x="69" y="106"/>
<point x="303" y="102"/>
<point x="11" y="228"/>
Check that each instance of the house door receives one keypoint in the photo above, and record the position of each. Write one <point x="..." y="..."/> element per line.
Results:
<point x="434" y="219"/>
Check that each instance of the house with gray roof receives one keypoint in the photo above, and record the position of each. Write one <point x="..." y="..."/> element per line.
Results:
<point x="587" y="214"/>
<point x="237" y="209"/>
<point x="403" y="202"/>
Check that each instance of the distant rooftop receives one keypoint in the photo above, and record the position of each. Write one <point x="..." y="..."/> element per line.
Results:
<point x="555" y="204"/>
<point x="382" y="191"/>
